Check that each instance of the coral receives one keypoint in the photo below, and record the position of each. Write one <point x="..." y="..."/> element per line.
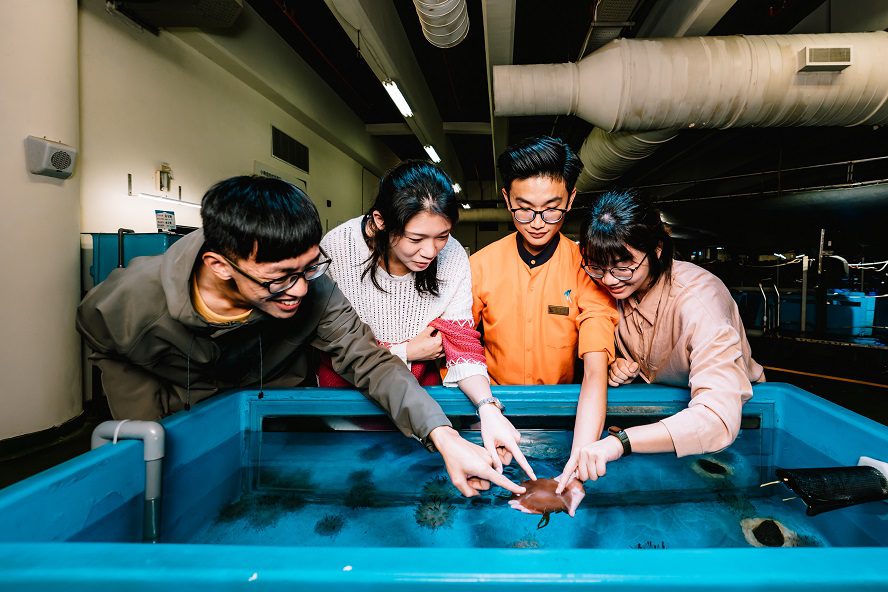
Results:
<point x="527" y="542"/>
<point x="329" y="525"/>
<point x="372" y="453"/>
<point x="235" y="510"/>
<point x="273" y="478"/>
<point x="434" y="514"/>
<point x="363" y="492"/>
<point x="263" y="509"/>
<point x="650" y="545"/>
<point x="438" y="489"/>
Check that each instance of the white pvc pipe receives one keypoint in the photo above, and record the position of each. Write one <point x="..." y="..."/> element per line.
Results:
<point x="445" y="23"/>
<point x="153" y="438"/>
<point x="705" y="82"/>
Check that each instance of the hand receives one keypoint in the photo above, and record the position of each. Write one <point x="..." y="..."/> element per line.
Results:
<point x="470" y="467"/>
<point x="622" y="371"/>
<point x="590" y="461"/>
<point x="425" y="346"/>
<point x="501" y="440"/>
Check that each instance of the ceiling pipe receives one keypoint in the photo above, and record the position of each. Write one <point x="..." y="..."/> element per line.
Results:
<point x="607" y="155"/>
<point x="445" y="23"/>
<point x="702" y="82"/>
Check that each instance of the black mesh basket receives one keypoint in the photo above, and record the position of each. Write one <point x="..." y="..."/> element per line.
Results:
<point x="835" y="487"/>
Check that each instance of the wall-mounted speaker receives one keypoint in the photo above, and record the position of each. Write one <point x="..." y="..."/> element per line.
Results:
<point x="49" y="158"/>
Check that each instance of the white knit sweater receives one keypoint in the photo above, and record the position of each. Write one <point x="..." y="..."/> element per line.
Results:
<point x="400" y="313"/>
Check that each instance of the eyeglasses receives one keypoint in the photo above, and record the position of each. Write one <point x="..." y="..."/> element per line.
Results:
<point x="527" y="215"/>
<point x="284" y="283"/>
<point x="624" y="274"/>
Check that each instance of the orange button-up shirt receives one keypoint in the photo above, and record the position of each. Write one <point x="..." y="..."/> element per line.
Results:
<point x="536" y="321"/>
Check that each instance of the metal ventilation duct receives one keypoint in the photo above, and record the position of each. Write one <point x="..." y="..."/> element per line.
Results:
<point x="704" y="82"/>
<point x="206" y="14"/>
<point x="606" y="155"/>
<point x="445" y="23"/>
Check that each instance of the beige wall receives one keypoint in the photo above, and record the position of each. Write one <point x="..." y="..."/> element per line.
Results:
<point x="203" y="103"/>
<point x="39" y="358"/>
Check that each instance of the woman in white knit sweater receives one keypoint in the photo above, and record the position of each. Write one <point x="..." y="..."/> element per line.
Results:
<point x="410" y="281"/>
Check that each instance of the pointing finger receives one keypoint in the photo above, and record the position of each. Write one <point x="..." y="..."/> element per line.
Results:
<point x="521" y="460"/>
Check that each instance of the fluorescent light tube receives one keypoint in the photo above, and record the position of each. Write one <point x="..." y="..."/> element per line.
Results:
<point x="169" y="200"/>
<point x="391" y="87"/>
<point x="430" y="150"/>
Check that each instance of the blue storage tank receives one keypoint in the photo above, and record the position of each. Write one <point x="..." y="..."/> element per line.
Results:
<point x="139" y="244"/>
<point x="847" y="313"/>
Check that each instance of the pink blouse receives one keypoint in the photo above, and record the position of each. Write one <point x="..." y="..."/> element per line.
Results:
<point x="686" y="331"/>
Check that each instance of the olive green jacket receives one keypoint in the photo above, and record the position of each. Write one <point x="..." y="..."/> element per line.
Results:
<point x="158" y="355"/>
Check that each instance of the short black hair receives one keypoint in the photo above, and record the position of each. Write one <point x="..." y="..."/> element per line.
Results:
<point x="540" y="156"/>
<point x="244" y="214"/>
<point x="620" y="218"/>
<point x="411" y="187"/>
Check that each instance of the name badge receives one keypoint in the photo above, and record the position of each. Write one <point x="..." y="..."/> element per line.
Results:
<point x="559" y="310"/>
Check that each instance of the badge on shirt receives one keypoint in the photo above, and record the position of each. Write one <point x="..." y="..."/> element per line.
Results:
<point x="559" y="310"/>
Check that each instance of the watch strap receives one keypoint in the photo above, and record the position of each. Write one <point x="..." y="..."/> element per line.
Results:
<point x="490" y="401"/>
<point x="621" y="435"/>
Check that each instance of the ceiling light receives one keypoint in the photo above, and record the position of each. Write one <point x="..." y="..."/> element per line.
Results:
<point x="430" y="150"/>
<point x="391" y="87"/>
<point x="456" y="188"/>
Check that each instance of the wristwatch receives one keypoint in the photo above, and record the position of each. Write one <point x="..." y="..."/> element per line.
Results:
<point x="491" y="401"/>
<point x="621" y="435"/>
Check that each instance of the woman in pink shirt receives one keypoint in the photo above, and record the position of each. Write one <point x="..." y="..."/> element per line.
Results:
<point x="678" y="326"/>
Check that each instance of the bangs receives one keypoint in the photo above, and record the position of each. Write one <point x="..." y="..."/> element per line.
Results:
<point x="603" y="249"/>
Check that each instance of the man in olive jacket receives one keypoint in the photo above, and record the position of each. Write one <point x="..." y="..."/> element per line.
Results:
<point x="236" y="305"/>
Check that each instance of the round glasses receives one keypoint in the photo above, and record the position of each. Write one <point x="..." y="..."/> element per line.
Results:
<point x="284" y="283"/>
<point x="623" y="274"/>
<point x="526" y="215"/>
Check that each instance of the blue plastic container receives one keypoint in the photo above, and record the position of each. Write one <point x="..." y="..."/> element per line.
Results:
<point x="105" y="250"/>
<point x="77" y="526"/>
<point x="847" y="313"/>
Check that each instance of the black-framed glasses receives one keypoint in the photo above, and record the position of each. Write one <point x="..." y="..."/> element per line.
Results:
<point x="284" y="283"/>
<point x="624" y="274"/>
<point x="527" y="215"/>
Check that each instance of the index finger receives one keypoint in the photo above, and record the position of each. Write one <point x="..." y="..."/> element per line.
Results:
<point x="567" y="474"/>
<point x="501" y="480"/>
<point x="521" y="460"/>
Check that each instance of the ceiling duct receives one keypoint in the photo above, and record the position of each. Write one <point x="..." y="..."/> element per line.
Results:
<point x="445" y="23"/>
<point x="203" y="14"/>
<point x="703" y="82"/>
<point x="606" y="155"/>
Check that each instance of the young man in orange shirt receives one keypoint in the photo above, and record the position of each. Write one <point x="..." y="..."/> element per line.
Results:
<point x="536" y="307"/>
